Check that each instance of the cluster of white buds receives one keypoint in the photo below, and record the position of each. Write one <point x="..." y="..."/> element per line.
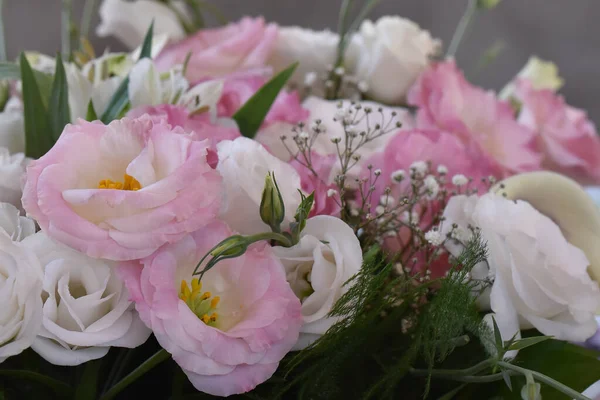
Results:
<point x="334" y="83"/>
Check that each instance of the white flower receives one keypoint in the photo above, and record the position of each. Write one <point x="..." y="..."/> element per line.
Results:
<point x="327" y="255"/>
<point x="244" y="165"/>
<point x="459" y="180"/>
<point x="21" y="295"/>
<point x="331" y="192"/>
<point x="398" y="175"/>
<point x="12" y="168"/>
<point x="434" y="237"/>
<point x="540" y="280"/>
<point x="393" y="52"/>
<point x="432" y="186"/>
<point x="314" y="50"/>
<point x="12" y="127"/>
<point x="420" y="168"/>
<point x="442" y="169"/>
<point x="86" y="307"/>
<point x="129" y="21"/>
<point x="16" y="226"/>
<point x="149" y="87"/>
<point x="542" y="75"/>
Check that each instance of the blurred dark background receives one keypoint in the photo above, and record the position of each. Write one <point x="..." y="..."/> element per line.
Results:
<point x="564" y="31"/>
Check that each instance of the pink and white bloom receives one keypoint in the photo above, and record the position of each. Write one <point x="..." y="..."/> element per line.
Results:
<point x="12" y="170"/>
<point x="566" y="137"/>
<point x="216" y="52"/>
<point x="448" y="102"/>
<point x="227" y="333"/>
<point x="121" y="191"/>
<point x="86" y="307"/>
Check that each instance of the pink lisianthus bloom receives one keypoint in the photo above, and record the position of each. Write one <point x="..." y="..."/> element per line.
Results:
<point x="320" y="184"/>
<point x="199" y="125"/>
<point x="228" y="333"/>
<point x="120" y="191"/>
<point x="448" y="102"/>
<point x="566" y="137"/>
<point x="216" y="52"/>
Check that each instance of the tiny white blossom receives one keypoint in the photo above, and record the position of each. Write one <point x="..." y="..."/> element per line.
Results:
<point x="398" y="175"/>
<point x="387" y="200"/>
<point x="419" y="167"/>
<point x="432" y="186"/>
<point x="304" y="135"/>
<point x="377" y="172"/>
<point x="459" y="180"/>
<point x="442" y="169"/>
<point x="406" y="217"/>
<point x="363" y="86"/>
<point x="339" y="71"/>
<point x="379" y="210"/>
<point x="332" y="192"/>
<point x="310" y="78"/>
<point x="354" y="212"/>
<point x="434" y="237"/>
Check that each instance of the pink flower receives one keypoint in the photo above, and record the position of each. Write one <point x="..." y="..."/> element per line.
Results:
<point x="121" y="191"/>
<point x="448" y="102"/>
<point x="217" y="52"/>
<point x="229" y="334"/>
<point x="566" y="137"/>
<point x="200" y="124"/>
<point x="320" y="184"/>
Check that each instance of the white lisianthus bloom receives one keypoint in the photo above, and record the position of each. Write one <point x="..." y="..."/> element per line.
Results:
<point x="20" y="294"/>
<point x="12" y="127"/>
<point x="540" y="280"/>
<point x="129" y="21"/>
<point x="86" y="307"/>
<point x="244" y="165"/>
<point x="317" y="268"/>
<point x="14" y="224"/>
<point x="12" y="169"/>
<point x="542" y="75"/>
<point x="314" y="50"/>
<point x="82" y="90"/>
<point x="393" y="52"/>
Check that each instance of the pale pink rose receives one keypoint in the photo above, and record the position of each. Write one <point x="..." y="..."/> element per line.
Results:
<point x="320" y="183"/>
<point x="566" y="137"/>
<point x="74" y="193"/>
<point x="216" y="52"/>
<point x="448" y="102"/>
<point x="199" y="124"/>
<point x="257" y="317"/>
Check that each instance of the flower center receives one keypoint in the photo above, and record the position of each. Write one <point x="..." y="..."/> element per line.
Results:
<point x="201" y="304"/>
<point x="129" y="183"/>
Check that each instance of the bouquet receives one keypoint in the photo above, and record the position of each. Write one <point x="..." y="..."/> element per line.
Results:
<point x="270" y="212"/>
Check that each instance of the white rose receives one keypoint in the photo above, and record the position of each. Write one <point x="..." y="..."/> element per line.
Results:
<point x="314" y="50"/>
<point x="540" y="280"/>
<point x="129" y="21"/>
<point x="21" y="297"/>
<point x="12" y="168"/>
<point x="317" y="268"/>
<point x="12" y="127"/>
<point x="542" y="75"/>
<point x="16" y="226"/>
<point x="86" y="307"/>
<point x="393" y="52"/>
<point x="244" y="165"/>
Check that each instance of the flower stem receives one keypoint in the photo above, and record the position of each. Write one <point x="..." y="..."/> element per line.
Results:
<point x="66" y="14"/>
<point x="150" y="363"/>
<point x="2" y="38"/>
<point x="544" y="378"/>
<point x="452" y="373"/>
<point x="462" y="27"/>
<point x="278" y="237"/>
<point x="86" y="19"/>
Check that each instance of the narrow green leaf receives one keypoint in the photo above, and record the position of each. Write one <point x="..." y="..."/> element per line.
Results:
<point x="91" y="112"/>
<point x="38" y="131"/>
<point x="12" y="71"/>
<point x="87" y="386"/>
<point x="252" y="114"/>
<point x="523" y="343"/>
<point x="497" y="336"/>
<point x="58" y="108"/>
<point x="60" y="388"/>
<point x="120" y="99"/>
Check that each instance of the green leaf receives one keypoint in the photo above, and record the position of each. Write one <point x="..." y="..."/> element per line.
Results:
<point x="87" y="386"/>
<point x="120" y="99"/>
<point x="12" y="71"/>
<point x="527" y="342"/>
<point x="497" y="336"/>
<point x="252" y="114"/>
<point x="60" y="388"/>
<point x="38" y="131"/>
<point x="58" y="108"/>
<point x="91" y="112"/>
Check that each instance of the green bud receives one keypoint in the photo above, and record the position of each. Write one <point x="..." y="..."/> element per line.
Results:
<point x="531" y="390"/>
<point x="232" y="246"/>
<point x="487" y="4"/>
<point x="4" y="94"/>
<point x="272" y="209"/>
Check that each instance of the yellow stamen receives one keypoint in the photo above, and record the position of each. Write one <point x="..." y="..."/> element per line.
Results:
<point x="196" y="284"/>
<point x="129" y="183"/>
<point x="206" y="295"/>
<point x="201" y="304"/>
<point x="214" y="302"/>
<point x="214" y="316"/>
<point x="205" y="318"/>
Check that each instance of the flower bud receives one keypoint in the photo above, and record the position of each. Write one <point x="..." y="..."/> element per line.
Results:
<point x="272" y="209"/>
<point x="487" y="4"/>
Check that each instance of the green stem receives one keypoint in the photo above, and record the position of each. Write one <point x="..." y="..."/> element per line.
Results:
<point x="60" y="388"/>
<point x="278" y="237"/>
<point x="544" y="378"/>
<point x="2" y="39"/>
<point x="196" y="14"/>
<point x="86" y="19"/>
<point x="451" y="373"/>
<point x="150" y="363"/>
<point x="187" y="27"/>
<point x="66" y="14"/>
<point x="462" y="27"/>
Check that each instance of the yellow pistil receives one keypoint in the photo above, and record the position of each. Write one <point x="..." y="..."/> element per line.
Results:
<point x="129" y="183"/>
<point x="200" y="303"/>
